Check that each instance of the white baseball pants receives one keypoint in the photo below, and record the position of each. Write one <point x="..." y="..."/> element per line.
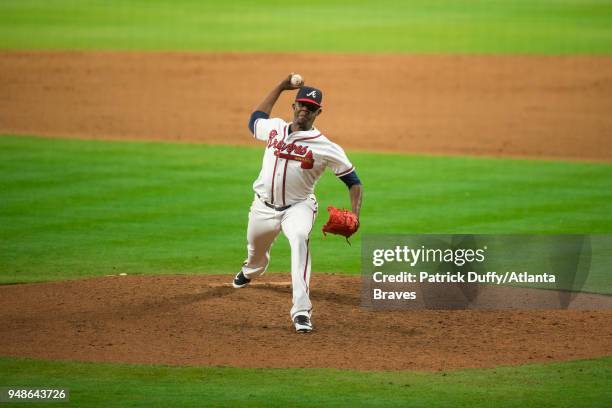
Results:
<point x="296" y="222"/>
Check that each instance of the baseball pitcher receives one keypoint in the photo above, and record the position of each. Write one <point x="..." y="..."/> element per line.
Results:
<point x="296" y="155"/>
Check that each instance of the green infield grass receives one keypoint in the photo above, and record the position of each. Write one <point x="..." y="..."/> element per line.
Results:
<point x="571" y="384"/>
<point x="415" y="26"/>
<point x="75" y="208"/>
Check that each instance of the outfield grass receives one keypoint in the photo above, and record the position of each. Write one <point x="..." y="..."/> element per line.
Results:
<point x="416" y="26"/>
<point x="74" y="208"/>
<point x="572" y="384"/>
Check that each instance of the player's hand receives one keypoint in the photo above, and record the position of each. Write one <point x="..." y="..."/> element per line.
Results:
<point x="286" y="84"/>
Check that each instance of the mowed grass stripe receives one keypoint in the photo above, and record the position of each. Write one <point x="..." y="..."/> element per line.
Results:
<point x="570" y="384"/>
<point x="415" y="26"/>
<point x="74" y="208"/>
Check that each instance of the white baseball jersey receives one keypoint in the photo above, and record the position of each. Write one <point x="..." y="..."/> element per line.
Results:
<point x="294" y="162"/>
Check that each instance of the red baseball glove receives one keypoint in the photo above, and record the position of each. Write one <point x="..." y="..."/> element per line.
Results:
<point x="341" y="222"/>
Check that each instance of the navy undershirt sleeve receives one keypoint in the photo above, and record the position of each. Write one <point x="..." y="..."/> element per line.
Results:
<point x="351" y="179"/>
<point x="254" y="116"/>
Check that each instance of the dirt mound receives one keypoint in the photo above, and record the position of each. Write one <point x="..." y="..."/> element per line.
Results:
<point x="526" y="106"/>
<point x="201" y="320"/>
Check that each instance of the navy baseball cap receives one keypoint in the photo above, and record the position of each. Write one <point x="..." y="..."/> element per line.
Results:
<point x="309" y="95"/>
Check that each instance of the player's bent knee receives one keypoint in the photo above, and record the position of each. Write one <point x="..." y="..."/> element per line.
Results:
<point x="298" y="239"/>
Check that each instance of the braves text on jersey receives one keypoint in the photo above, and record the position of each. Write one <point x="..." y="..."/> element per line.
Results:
<point x="294" y="161"/>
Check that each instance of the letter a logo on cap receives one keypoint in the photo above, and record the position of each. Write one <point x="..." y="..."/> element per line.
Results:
<point x="310" y="95"/>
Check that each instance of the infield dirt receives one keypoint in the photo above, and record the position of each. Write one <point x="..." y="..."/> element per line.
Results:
<point x="525" y="106"/>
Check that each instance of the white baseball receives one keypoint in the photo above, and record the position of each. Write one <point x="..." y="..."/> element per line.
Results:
<point x="296" y="80"/>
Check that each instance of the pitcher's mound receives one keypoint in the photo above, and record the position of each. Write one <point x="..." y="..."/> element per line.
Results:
<point x="202" y="320"/>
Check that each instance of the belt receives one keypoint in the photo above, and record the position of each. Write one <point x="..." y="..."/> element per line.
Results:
<point x="267" y="204"/>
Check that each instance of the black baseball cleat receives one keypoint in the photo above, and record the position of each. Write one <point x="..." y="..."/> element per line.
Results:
<point x="302" y="324"/>
<point x="240" y="281"/>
